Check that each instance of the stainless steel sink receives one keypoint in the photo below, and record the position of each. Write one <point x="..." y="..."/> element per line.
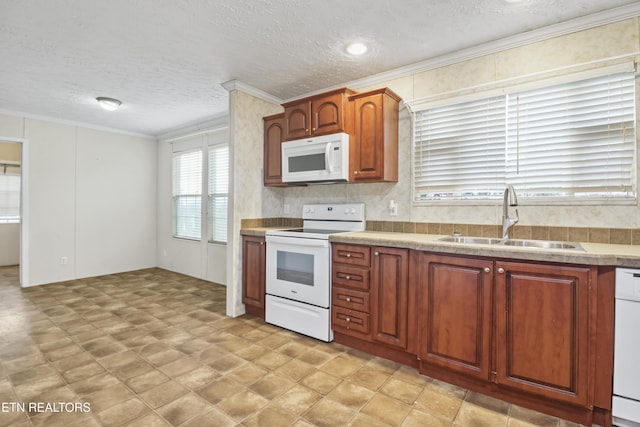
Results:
<point x="471" y="240"/>
<point x="542" y="244"/>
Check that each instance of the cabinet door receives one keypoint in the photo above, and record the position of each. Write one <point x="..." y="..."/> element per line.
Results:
<point x="389" y="296"/>
<point x="367" y="162"/>
<point x="542" y="337"/>
<point x="328" y="114"/>
<point x="253" y="274"/>
<point x="374" y="147"/>
<point x="455" y="318"/>
<point x="273" y="137"/>
<point x="297" y="120"/>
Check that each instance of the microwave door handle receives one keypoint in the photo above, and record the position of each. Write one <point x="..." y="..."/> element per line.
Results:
<point x="327" y="157"/>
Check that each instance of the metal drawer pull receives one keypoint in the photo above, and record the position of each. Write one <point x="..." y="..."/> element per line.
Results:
<point x="501" y="270"/>
<point x="348" y="319"/>
<point x="347" y="277"/>
<point x="348" y="299"/>
<point x="376" y="253"/>
<point x="348" y="255"/>
<point x="487" y="270"/>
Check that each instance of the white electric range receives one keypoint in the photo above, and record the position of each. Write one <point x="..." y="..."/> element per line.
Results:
<point x="298" y="282"/>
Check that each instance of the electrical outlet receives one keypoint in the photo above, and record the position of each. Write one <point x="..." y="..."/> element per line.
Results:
<point x="393" y="208"/>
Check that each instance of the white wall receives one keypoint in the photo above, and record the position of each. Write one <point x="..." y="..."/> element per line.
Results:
<point x="90" y="198"/>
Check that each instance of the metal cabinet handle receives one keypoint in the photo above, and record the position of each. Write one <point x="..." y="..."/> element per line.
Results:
<point x="355" y="172"/>
<point x="487" y="270"/>
<point x="348" y="299"/>
<point x="347" y="277"/>
<point x="261" y="243"/>
<point x="348" y="319"/>
<point x="348" y="255"/>
<point x="501" y="270"/>
<point x="376" y="253"/>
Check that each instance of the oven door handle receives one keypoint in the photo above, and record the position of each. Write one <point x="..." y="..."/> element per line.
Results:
<point x="294" y="241"/>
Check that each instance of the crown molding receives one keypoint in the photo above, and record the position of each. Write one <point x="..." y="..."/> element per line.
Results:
<point x="74" y="123"/>
<point x="232" y="85"/>
<point x="217" y="122"/>
<point x="556" y="30"/>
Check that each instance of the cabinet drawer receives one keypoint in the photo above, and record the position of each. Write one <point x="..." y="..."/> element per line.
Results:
<point x="348" y="298"/>
<point x="352" y="254"/>
<point x="350" y="320"/>
<point x="350" y="277"/>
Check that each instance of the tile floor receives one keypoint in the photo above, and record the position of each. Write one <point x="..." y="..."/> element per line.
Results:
<point x="153" y="348"/>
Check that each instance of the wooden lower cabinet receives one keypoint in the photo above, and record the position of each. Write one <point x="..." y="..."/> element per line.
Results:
<point x="535" y="334"/>
<point x="542" y="329"/>
<point x="389" y="296"/>
<point x="370" y="300"/>
<point x="254" y="256"/>
<point x="455" y="314"/>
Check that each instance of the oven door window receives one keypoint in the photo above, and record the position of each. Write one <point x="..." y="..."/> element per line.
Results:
<point x="295" y="267"/>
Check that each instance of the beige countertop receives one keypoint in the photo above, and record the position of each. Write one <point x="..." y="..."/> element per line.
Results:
<point x="593" y="254"/>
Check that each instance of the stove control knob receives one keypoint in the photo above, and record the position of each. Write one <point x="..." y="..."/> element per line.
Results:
<point x="306" y="210"/>
<point x="313" y="210"/>
<point x="346" y="210"/>
<point x="353" y="211"/>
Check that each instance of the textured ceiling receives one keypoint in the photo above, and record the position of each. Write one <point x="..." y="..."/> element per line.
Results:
<point x="166" y="59"/>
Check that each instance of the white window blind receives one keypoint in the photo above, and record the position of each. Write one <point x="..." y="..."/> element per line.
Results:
<point x="573" y="140"/>
<point x="567" y="141"/>
<point x="10" y="195"/>
<point x="218" y="192"/>
<point x="187" y="194"/>
<point x="459" y="150"/>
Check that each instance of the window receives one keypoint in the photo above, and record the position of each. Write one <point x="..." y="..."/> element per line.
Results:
<point x="218" y="192"/>
<point x="9" y="194"/>
<point x="570" y="141"/>
<point x="187" y="191"/>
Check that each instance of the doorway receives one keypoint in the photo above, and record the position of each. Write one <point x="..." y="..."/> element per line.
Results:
<point x="10" y="197"/>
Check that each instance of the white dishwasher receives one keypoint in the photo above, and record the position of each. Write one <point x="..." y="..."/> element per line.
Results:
<point x="626" y="365"/>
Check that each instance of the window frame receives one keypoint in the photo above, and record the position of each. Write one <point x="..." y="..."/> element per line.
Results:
<point x="509" y="87"/>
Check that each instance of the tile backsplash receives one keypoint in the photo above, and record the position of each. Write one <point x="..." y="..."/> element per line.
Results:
<point x="621" y="236"/>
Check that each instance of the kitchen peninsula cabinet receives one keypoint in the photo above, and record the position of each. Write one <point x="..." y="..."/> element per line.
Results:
<point x="254" y="256"/>
<point x="455" y="314"/>
<point x="373" y="149"/>
<point x="273" y="138"/>
<point x="542" y="329"/>
<point x="318" y="115"/>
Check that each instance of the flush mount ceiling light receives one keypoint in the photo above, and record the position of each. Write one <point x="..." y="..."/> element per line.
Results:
<point x="110" y="104"/>
<point x="357" y="48"/>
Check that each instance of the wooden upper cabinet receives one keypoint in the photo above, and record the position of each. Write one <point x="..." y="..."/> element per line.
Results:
<point x="373" y="149"/>
<point x="318" y="115"/>
<point x="273" y="138"/>
<point x="542" y="329"/>
<point x="455" y="296"/>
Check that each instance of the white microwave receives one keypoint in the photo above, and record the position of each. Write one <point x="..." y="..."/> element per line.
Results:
<point x="316" y="159"/>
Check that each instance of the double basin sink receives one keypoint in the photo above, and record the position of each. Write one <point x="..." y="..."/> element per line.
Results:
<point x="542" y="244"/>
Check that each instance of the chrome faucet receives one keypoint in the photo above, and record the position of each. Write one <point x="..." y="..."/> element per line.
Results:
<point x="510" y="199"/>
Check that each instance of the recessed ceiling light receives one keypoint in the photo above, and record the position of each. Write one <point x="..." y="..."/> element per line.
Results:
<point x="110" y="104"/>
<point x="357" y="48"/>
